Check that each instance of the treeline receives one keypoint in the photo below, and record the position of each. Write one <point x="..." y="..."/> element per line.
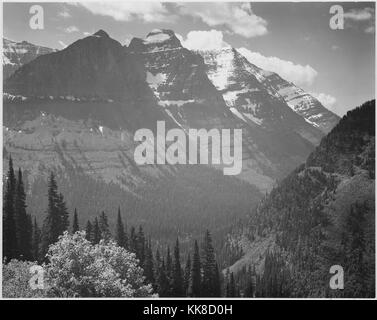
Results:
<point x="198" y="276"/>
<point x="170" y="276"/>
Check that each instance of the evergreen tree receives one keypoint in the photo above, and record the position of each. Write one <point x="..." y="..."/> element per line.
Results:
<point x="104" y="227"/>
<point x="140" y="246"/>
<point x="52" y="225"/>
<point x="232" y="286"/>
<point x="36" y="241"/>
<point x="10" y="249"/>
<point x="133" y="240"/>
<point x="96" y="237"/>
<point x="89" y="231"/>
<point x="210" y="276"/>
<point x="177" y="279"/>
<point x="169" y="270"/>
<point x="148" y="265"/>
<point x="23" y="230"/>
<point x="163" y="281"/>
<point x="75" y="224"/>
<point x="119" y="231"/>
<point x="187" y="274"/>
<point x="217" y="282"/>
<point x="63" y="214"/>
<point x="157" y="267"/>
<point x="196" y="278"/>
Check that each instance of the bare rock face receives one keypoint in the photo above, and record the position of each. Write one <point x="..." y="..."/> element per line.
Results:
<point x="16" y="54"/>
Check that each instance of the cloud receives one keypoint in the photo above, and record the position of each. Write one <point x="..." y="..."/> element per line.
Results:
<point x="151" y="11"/>
<point x="370" y="29"/>
<point x="296" y="73"/>
<point x="327" y="100"/>
<point x="64" y="14"/>
<point x="62" y="44"/>
<point x="237" y="18"/>
<point x="359" y="14"/>
<point x="71" y="29"/>
<point x="203" y="40"/>
<point x="364" y="16"/>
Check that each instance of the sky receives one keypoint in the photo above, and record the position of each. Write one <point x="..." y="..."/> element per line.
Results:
<point x="293" y="39"/>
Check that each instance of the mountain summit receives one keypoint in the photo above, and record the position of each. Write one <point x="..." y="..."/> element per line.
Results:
<point x="156" y="40"/>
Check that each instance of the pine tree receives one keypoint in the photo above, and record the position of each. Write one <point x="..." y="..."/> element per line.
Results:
<point x="217" y="282"/>
<point x="196" y="278"/>
<point x="96" y="237"/>
<point x="119" y="231"/>
<point x="133" y="240"/>
<point x="232" y="286"/>
<point x="10" y="249"/>
<point x="157" y="267"/>
<point x="36" y="241"/>
<point x="169" y="270"/>
<point x="52" y="225"/>
<point x="63" y="214"/>
<point x="177" y="279"/>
<point x="89" y="231"/>
<point x="75" y="223"/>
<point x="187" y="274"/>
<point x="148" y="265"/>
<point x="140" y="246"/>
<point x="104" y="227"/>
<point x="210" y="275"/>
<point x="22" y="220"/>
<point x="163" y="281"/>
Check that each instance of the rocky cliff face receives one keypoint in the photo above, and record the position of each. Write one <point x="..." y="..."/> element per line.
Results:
<point x="16" y="54"/>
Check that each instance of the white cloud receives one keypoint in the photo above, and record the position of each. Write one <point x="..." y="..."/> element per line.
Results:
<point x="370" y="29"/>
<point x="86" y="33"/>
<point x="237" y="18"/>
<point x="296" y="73"/>
<point x="64" y="14"/>
<point x="62" y="44"/>
<point x="151" y="11"/>
<point x="364" y="16"/>
<point x="326" y="99"/>
<point x="71" y="29"/>
<point x="359" y="14"/>
<point x="203" y="40"/>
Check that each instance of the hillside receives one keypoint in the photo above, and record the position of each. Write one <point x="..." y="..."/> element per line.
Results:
<point x="321" y="215"/>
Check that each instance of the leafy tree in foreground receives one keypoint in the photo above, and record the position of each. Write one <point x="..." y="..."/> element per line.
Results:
<point x="78" y="268"/>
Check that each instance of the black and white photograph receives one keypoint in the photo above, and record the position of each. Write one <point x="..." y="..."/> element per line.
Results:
<point x="188" y="150"/>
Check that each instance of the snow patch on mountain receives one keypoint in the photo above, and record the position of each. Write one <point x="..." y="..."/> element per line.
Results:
<point x="156" y="80"/>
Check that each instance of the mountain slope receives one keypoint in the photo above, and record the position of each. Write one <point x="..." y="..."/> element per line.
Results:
<point x="297" y="99"/>
<point x="249" y="98"/>
<point x="321" y="215"/>
<point x="16" y="54"/>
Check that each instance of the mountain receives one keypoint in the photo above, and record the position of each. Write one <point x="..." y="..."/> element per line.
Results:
<point x="300" y="101"/>
<point x="251" y="97"/>
<point x="322" y="214"/>
<point x="76" y="111"/>
<point x="16" y="54"/>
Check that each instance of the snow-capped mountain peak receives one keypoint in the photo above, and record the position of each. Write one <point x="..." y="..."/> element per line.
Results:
<point x="16" y="54"/>
<point x="155" y="41"/>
